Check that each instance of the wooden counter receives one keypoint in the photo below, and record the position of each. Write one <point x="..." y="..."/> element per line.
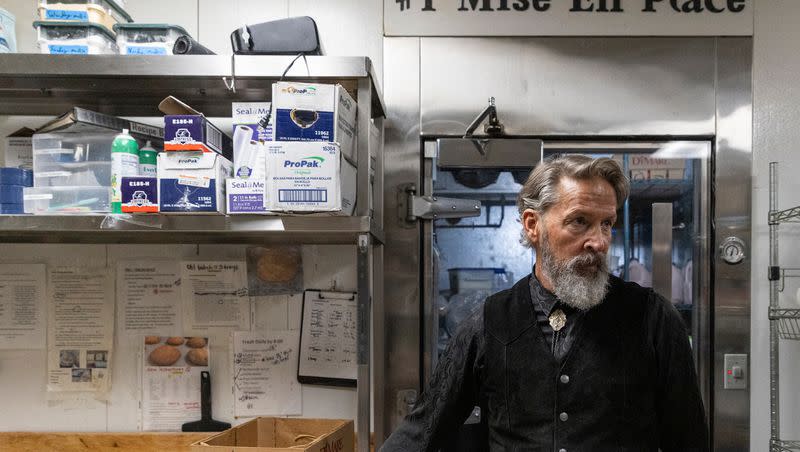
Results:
<point x="110" y="442"/>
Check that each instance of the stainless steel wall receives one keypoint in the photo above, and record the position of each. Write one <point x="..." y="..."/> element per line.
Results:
<point x="576" y="87"/>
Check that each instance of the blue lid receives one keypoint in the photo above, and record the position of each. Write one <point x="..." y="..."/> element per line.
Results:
<point x="11" y="194"/>
<point x="16" y="176"/>
<point x="11" y="209"/>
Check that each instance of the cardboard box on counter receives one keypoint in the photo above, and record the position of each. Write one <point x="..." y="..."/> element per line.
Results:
<point x="186" y="129"/>
<point x="139" y="194"/>
<point x="271" y="434"/>
<point x="246" y="196"/>
<point x="315" y="112"/>
<point x="19" y="149"/>
<point x="306" y="177"/>
<point x="192" y="182"/>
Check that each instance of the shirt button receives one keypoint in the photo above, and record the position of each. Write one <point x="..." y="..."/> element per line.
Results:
<point x="563" y="417"/>
<point x="564" y="379"/>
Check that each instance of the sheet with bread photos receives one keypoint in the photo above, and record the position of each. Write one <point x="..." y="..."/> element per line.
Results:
<point x="171" y="367"/>
<point x="80" y="330"/>
<point x="215" y="297"/>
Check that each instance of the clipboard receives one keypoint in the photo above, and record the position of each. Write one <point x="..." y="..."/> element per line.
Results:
<point x="328" y="339"/>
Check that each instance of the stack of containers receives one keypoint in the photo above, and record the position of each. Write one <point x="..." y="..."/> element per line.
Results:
<point x="147" y="39"/>
<point x="79" y="26"/>
<point x="12" y="182"/>
<point x="8" y="39"/>
<point x="310" y="165"/>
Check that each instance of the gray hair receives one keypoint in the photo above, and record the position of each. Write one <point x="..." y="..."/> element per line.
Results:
<point x="540" y="191"/>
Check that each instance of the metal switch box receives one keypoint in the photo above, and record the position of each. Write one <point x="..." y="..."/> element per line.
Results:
<point x="735" y="371"/>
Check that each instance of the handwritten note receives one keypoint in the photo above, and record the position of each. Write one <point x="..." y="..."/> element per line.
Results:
<point x="328" y="341"/>
<point x="264" y="373"/>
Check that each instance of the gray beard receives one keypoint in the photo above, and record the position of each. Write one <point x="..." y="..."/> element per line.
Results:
<point x="574" y="281"/>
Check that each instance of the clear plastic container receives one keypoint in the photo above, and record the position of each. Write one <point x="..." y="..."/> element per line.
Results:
<point x="8" y="40"/>
<point x="69" y="38"/>
<point x="102" y="12"/>
<point x="72" y="159"/>
<point x="147" y="39"/>
<point x="66" y="200"/>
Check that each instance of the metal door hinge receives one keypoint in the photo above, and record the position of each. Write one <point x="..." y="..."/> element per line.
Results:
<point x="413" y="207"/>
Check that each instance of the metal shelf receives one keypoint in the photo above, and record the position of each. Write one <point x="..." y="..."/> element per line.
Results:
<point x="128" y="85"/>
<point x="186" y="229"/>
<point x="784" y="446"/>
<point x="785" y="216"/>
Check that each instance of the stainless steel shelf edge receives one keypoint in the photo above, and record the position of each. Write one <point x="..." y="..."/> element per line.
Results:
<point x="186" y="229"/>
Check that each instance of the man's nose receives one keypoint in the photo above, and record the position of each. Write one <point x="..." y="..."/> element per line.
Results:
<point x="597" y="241"/>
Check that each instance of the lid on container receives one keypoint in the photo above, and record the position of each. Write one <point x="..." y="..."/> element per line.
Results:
<point x="65" y="24"/>
<point x="119" y="10"/>
<point x="137" y="26"/>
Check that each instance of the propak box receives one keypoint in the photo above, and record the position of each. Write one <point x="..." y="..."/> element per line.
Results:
<point x="271" y="434"/>
<point x="192" y="182"/>
<point x="315" y="112"/>
<point x="306" y="177"/>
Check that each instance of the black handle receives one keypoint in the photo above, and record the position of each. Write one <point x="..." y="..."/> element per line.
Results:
<point x="205" y="395"/>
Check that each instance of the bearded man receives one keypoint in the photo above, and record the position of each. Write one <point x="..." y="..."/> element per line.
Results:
<point x="570" y="358"/>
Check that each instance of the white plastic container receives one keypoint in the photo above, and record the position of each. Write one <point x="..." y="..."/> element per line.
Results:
<point x="8" y="37"/>
<point x="147" y="39"/>
<point x="72" y="159"/>
<point x="102" y="12"/>
<point x="74" y="38"/>
<point x="66" y="200"/>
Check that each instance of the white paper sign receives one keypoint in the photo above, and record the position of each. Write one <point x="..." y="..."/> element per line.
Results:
<point x="215" y="297"/>
<point x="80" y="330"/>
<point x="265" y="374"/>
<point x="148" y="297"/>
<point x="171" y="368"/>
<point x="22" y="306"/>
<point x="568" y="17"/>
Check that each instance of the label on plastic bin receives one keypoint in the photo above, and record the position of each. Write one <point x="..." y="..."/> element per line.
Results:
<point x="59" y="49"/>
<point x="146" y="50"/>
<point x="66" y="14"/>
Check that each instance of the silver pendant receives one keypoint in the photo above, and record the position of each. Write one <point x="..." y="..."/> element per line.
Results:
<point x="557" y="320"/>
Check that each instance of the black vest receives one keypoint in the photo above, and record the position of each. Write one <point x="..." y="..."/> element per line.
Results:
<point x="601" y="397"/>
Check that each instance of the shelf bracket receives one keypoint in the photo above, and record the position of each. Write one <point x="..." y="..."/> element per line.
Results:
<point x="231" y="84"/>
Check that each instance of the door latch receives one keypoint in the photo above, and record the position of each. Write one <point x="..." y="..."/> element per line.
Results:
<point x="413" y="207"/>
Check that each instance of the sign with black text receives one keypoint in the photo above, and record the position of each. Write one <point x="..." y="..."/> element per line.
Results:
<point x="568" y="17"/>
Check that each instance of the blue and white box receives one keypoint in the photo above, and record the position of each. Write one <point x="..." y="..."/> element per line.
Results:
<point x="305" y="177"/>
<point x="139" y="194"/>
<point x="246" y="196"/>
<point x="192" y="182"/>
<point x="315" y="112"/>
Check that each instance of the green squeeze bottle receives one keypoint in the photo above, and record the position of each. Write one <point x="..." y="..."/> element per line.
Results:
<point x="124" y="163"/>
<point x="147" y="161"/>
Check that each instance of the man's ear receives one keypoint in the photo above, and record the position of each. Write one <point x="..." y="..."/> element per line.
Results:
<point x="530" y="221"/>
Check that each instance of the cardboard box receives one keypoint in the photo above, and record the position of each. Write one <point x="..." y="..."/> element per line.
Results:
<point x="139" y="194"/>
<point x="250" y="129"/>
<point x="19" y="149"/>
<point x="79" y="120"/>
<point x="246" y="196"/>
<point x="186" y="129"/>
<point x="192" y="182"/>
<point x="271" y="434"/>
<point x="305" y="177"/>
<point x="315" y="112"/>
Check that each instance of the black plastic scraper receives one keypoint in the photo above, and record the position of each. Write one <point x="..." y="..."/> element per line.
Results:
<point x="205" y="424"/>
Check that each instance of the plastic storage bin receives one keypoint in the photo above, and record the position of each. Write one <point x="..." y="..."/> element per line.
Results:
<point x="16" y="176"/>
<point x="72" y="159"/>
<point x="102" y="12"/>
<point x="8" y="40"/>
<point x="66" y="200"/>
<point x="74" y="38"/>
<point x="147" y="39"/>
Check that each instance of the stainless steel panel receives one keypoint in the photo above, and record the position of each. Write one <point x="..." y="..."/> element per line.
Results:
<point x="488" y="153"/>
<point x="364" y="320"/>
<point x="402" y="268"/>
<point x="662" y="249"/>
<point x="732" y="217"/>
<point x="580" y="86"/>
